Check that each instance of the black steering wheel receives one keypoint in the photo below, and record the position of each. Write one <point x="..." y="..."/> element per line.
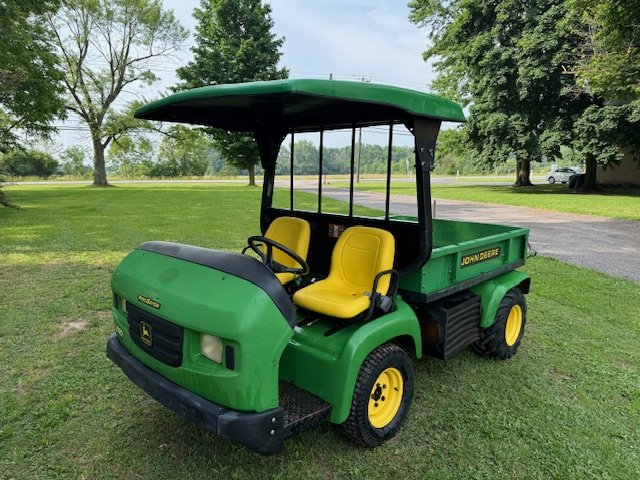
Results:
<point x="257" y="241"/>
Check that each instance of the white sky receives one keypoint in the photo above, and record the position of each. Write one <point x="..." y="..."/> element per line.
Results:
<point x="349" y="38"/>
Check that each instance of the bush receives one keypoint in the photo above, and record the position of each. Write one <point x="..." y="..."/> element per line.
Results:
<point x="26" y="163"/>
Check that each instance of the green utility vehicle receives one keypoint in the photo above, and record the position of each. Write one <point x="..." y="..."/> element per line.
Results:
<point x="326" y="324"/>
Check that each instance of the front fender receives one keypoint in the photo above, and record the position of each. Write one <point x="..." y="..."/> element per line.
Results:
<point x="400" y="323"/>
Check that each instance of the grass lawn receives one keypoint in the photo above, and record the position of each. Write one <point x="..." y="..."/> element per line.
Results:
<point x="566" y="406"/>
<point x="621" y="203"/>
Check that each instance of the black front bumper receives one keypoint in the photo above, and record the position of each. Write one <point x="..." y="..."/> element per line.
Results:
<point x="262" y="432"/>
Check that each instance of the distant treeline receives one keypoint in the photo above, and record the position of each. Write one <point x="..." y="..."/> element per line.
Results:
<point x="189" y="152"/>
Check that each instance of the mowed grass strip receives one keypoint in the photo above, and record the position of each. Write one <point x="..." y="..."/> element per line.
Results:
<point x="623" y="203"/>
<point x="566" y="406"/>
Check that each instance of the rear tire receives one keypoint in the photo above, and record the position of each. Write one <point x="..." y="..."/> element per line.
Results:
<point x="382" y="396"/>
<point x="551" y="180"/>
<point x="501" y="340"/>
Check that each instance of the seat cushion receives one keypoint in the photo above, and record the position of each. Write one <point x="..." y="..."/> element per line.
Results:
<point x="294" y="233"/>
<point x="285" y="277"/>
<point x="331" y="301"/>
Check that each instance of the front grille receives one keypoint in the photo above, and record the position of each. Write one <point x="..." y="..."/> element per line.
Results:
<point x="159" y="338"/>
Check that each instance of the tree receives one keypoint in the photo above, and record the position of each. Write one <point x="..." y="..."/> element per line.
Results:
<point x="608" y="56"/>
<point x="599" y="134"/>
<point x="451" y="151"/>
<point x="504" y="59"/>
<point x="105" y="47"/>
<point x="234" y="44"/>
<point x="184" y="152"/>
<point x="30" y="81"/>
<point x="606" y="64"/>
<point x="131" y="155"/>
<point x="73" y="161"/>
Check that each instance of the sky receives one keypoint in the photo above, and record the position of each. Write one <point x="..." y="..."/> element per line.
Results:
<point x="351" y="39"/>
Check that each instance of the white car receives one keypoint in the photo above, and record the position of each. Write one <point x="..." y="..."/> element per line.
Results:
<point x="562" y="174"/>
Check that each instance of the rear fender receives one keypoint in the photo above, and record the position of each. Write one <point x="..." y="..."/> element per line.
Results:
<point x="492" y="292"/>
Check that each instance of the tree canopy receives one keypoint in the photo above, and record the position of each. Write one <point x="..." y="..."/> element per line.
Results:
<point x="503" y="58"/>
<point x="606" y="65"/>
<point x="234" y="43"/>
<point x="30" y="80"/>
<point x="608" y="55"/>
<point x="105" y="47"/>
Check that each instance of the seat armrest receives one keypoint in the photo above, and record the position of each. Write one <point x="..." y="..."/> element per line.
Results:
<point x="392" y="292"/>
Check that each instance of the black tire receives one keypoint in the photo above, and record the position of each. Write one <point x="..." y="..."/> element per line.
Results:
<point x="551" y="180"/>
<point x="495" y="341"/>
<point x="358" y="427"/>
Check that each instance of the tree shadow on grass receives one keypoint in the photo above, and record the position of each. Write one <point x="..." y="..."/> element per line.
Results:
<point x="558" y="189"/>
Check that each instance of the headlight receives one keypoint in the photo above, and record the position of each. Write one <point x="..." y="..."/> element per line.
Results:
<point x="119" y="303"/>
<point x="211" y="347"/>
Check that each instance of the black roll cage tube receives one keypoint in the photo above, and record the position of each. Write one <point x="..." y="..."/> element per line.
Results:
<point x="425" y="132"/>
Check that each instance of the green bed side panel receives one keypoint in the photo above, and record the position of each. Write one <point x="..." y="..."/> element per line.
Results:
<point x="464" y="251"/>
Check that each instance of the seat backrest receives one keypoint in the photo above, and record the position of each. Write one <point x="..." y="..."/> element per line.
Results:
<point x="359" y="255"/>
<point x="294" y="233"/>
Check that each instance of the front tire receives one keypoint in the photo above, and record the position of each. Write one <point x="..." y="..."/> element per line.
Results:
<point x="382" y="396"/>
<point x="551" y="180"/>
<point x="501" y="340"/>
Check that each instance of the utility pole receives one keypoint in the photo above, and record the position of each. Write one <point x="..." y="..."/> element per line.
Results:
<point x="359" y="151"/>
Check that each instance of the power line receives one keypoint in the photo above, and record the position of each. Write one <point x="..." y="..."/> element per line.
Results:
<point x="354" y="76"/>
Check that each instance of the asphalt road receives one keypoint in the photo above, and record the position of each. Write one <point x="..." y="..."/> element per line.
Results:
<point x="604" y="244"/>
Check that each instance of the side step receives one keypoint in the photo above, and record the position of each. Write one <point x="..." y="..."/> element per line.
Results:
<point x="301" y="409"/>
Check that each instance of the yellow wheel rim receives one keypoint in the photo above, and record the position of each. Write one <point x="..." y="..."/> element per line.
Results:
<point x="385" y="398"/>
<point x="514" y="324"/>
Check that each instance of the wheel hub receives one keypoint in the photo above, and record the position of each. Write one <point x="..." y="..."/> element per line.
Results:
<point x="385" y="397"/>
<point x="513" y="325"/>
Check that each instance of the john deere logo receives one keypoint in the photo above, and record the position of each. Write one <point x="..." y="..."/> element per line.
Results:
<point x="146" y="334"/>
<point x="483" y="256"/>
<point x="148" y="301"/>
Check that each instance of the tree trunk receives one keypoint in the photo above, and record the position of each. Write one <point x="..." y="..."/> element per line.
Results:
<point x="590" y="174"/>
<point x="99" y="169"/>
<point x="252" y="175"/>
<point x="523" y="171"/>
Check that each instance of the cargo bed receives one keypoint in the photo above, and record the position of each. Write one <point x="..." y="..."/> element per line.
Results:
<point x="464" y="254"/>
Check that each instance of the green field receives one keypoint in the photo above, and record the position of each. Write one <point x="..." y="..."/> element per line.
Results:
<point x="621" y="203"/>
<point x="566" y="406"/>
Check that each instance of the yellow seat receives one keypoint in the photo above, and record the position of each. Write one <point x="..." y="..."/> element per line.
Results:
<point x="359" y="255"/>
<point x="295" y="234"/>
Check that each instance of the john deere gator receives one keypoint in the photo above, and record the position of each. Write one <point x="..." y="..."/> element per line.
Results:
<point x="322" y="316"/>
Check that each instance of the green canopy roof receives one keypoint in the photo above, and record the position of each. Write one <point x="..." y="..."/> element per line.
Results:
<point x="302" y="104"/>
